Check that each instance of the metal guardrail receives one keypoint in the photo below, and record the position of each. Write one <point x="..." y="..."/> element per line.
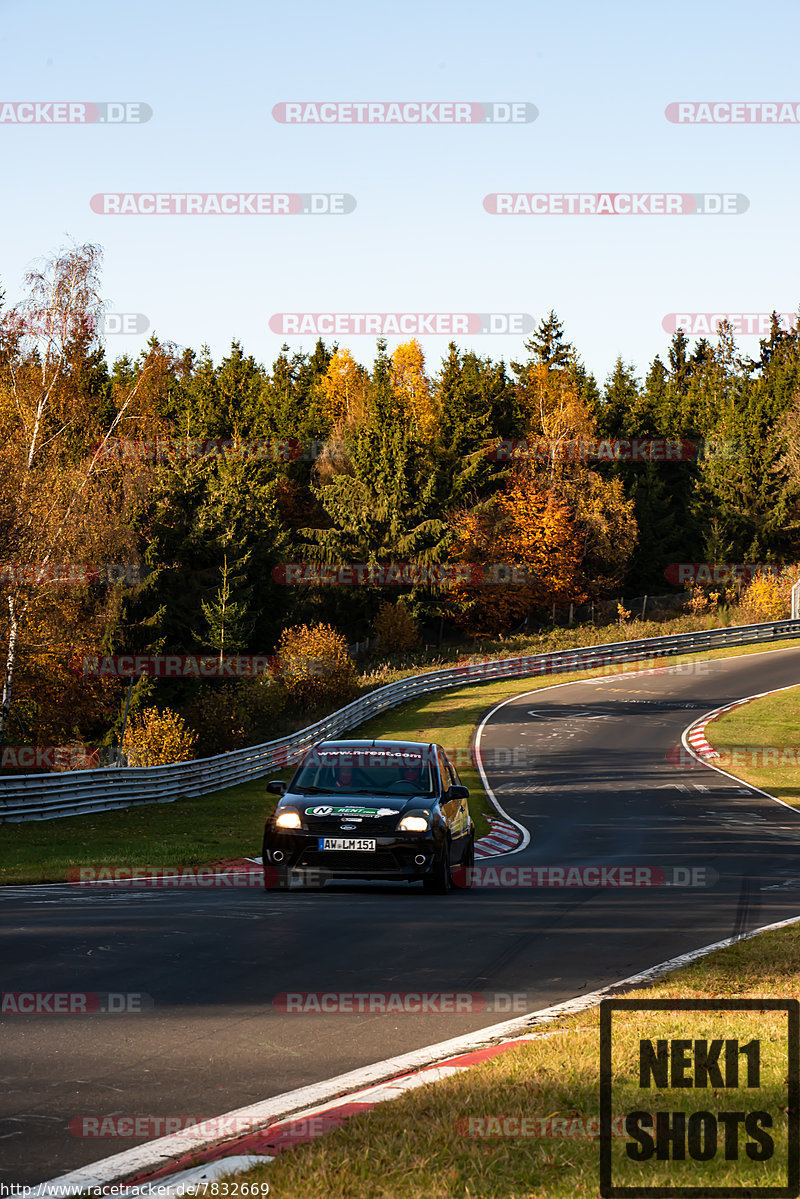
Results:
<point x="72" y="793"/>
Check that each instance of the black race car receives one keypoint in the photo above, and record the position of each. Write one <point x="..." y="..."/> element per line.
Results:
<point x="371" y="810"/>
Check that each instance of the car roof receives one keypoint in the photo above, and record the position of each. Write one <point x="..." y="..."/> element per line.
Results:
<point x="395" y="746"/>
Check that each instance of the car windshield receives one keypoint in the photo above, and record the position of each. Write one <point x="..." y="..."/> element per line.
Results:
<point x="365" y="772"/>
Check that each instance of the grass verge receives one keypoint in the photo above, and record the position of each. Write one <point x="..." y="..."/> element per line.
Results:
<point x="460" y="1138"/>
<point x="758" y="742"/>
<point x="228" y="824"/>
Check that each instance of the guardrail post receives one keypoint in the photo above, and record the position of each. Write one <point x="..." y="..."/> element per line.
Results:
<point x="796" y="601"/>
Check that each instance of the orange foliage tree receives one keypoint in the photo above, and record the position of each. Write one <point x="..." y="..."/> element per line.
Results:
<point x="526" y="528"/>
<point x="555" y="453"/>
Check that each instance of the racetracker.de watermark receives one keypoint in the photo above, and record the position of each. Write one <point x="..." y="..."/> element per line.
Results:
<point x="706" y="324"/>
<point x="74" y="112"/>
<point x="183" y="449"/>
<point x="401" y="574"/>
<point x="178" y="666"/>
<point x="48" y="757"/>
<point x="637" y="449"/>
<point x="73" y="1003"/>
<point x="590" y="878"/>
<point x="351" y="324"/>
<point x="151" y="1127"/>
<point x="222" y="203"/>
<point x="200" y="878"/>
<point x="722" y="573"/>
<point x="616" y="203"/>
<point x="733" y="112"/>
<point x="53" y="323"/>
<point x="410" y="1003"/>
<point x="500" y="1127"/>
<point x="735" y="757"/>
<point x="404" y="112"/>
<point x="70" y="574"/>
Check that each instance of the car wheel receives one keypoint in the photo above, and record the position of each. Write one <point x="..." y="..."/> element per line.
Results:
<point x="462" y="875"/>
<point x="437" y="881"/>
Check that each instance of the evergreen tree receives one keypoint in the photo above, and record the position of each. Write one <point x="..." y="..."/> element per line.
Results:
<point x="621" y="400"/>
<point x="547" y="346"/>
<point x="228" y="619"/>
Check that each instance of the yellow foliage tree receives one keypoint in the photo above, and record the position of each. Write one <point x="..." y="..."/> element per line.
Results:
<point x="63" y="501"/>
<point x="412" y="387"/>
<point x="766" y="596"/>
<point x="556" y="415"/>
<point x="315" y="667"/>
<point x="158" y="738"/>
<point x="343" y="389"/>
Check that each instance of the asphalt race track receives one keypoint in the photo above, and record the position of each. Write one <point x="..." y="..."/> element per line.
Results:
<point x="595" y="785"/>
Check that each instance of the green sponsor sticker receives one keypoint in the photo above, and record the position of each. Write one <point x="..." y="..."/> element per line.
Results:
<point x="326" y="810"/>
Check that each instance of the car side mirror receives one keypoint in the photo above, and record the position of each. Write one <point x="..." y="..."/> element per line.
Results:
<point x="276" y="787"/>
<point x="459" y="792"/>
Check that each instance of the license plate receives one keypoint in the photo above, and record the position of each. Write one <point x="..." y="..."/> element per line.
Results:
<point x="365" y="844"/>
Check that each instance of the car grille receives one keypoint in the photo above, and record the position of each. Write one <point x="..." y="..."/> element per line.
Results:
<point x="329" y="826"/>
<point x="344" y="859"/>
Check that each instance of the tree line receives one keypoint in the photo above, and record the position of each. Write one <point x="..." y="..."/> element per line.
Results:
<point x="210" y="477"/>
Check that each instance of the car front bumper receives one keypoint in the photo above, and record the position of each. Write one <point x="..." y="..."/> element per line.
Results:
<point x="407" y="857"/>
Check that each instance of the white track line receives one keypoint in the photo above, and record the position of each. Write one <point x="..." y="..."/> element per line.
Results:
<point x="157" y="1154"/>
<point x="599" y="678"/>
<point x="704" y="720"/>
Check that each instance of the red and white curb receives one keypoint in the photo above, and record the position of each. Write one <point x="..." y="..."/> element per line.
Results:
<point x="696" y="733"/>
<point x="688" y="732"/>
<point x="694" y="742"/>
<point x="276" y="1124"/>
<point x="694" y="737"/>
<point x="501" y="837"/>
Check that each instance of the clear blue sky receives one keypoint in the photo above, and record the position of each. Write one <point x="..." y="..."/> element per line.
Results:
<point x="600" y="75"/>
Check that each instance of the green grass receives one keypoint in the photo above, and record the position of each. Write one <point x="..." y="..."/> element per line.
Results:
<point x="229" y="824"/>
<point x="758" y="742"/>
<point x="418" y="1147"/>
<point x="190" y="832"/>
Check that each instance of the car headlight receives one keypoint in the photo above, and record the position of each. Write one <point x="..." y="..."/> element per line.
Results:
<point x="413" y="824"/>
<point x="288" y="820"/>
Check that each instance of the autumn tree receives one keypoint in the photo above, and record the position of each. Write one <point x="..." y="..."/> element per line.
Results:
<point x="342" y="388"/>
<point x="315" y="666"/>
<point x="523" y="529"/>
<point x="557" y="456"/>
<point x="158" y="738"/>
<point x="395" y="629"/>
<point x="59" y="494"/>
<point x="767" y="596"/>
<point x="412" y="388"/>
